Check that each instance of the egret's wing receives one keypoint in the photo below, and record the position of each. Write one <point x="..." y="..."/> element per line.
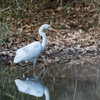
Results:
<point x="26" y="49"/>
<point x="20" y="56"/>
<point x="32" y="46"/>
<point x="33" y="50"/>
<point x="28" y="52"/>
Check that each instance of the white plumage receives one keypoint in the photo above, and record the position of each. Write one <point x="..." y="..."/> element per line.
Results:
<point x="33" y="87"/>
<point x="31" y="52"/>
<point x="28" y="53"/>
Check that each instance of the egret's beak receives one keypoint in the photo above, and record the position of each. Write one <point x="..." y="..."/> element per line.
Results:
<point x="54" y="30"/>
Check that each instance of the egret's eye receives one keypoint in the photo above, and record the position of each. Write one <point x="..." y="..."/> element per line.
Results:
<point x="49" y="27"/>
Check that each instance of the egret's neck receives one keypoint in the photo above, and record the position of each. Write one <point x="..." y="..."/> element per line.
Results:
<point x="44" y="38"/>
<point x="46" y="92"/>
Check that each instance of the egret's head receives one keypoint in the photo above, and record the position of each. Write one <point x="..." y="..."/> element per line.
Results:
<point x="46" y="26"/>
<point x="49" y="27"/>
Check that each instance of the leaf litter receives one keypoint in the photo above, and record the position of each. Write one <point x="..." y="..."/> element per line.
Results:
<point x="78" y="35"/>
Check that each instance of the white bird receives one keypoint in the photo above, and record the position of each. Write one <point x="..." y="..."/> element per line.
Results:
<point x="31" y="52"/>
<point x="33" y="87"/>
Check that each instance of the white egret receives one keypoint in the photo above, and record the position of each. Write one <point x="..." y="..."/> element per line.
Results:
<point x="33" y="87"/>
<point x="31" y="52"/>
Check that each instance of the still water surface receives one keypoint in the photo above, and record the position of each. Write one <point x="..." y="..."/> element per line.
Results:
<point x="76" y="80"/>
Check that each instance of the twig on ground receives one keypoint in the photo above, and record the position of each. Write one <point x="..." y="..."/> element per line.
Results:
<point x="5" y="9"/>
<point x="3" y="50"/>
<point x="64" y="66"/>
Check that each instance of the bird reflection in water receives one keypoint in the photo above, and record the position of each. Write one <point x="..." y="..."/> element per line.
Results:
<point x="32" y="86"/>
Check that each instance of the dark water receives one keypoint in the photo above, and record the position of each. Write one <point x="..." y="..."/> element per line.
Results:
<point x="76" y="80"/>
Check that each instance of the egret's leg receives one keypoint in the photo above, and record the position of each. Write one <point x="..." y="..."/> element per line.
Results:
<point x="34" y="65"/>
<point x="34" y="68"/>
<point x="27" y="66"/>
